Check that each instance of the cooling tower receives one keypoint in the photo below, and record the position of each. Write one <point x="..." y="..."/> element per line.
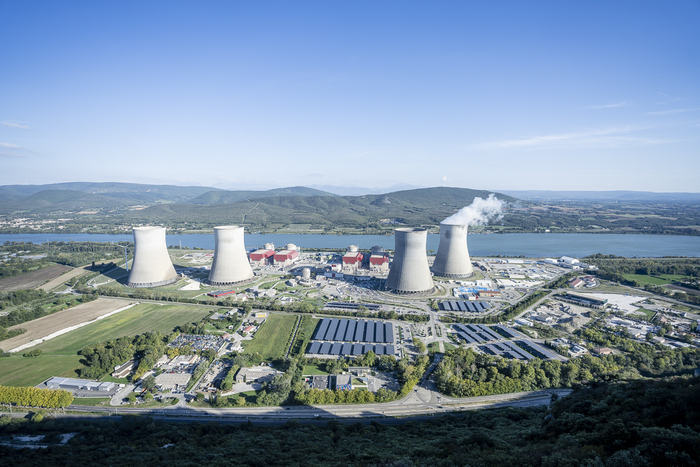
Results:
<point x="452" y="260"/>
<point x="409" y="274"/>
<point x="231" y="265"/>
<point x="152" y="266"/>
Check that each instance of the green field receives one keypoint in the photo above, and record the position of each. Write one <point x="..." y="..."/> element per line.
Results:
<point x="137" y="320"/>
<point x="662" y="279"/>
<point x="22" y="371"/>
<point x="314" y="370"/>
<point x="649" y="314"/>
<point x="91" y="401"/>
<point x="272" y="338"/>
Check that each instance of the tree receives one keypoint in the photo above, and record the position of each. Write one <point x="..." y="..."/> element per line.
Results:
<point x="419" y="344"/>
<point x="149" y="383"/>
<point x="131" y="398"/>
<point x="148" y="397"/>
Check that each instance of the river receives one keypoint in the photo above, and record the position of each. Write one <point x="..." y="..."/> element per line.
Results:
<point x="529" y="245"/>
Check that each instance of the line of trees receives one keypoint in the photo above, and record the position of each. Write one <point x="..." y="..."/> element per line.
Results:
<point x="35" y="397"/>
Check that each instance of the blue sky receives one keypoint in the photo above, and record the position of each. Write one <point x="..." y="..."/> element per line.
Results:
<point x="486" y="95"/>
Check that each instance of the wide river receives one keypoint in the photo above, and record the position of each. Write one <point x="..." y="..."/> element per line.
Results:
<point x="530" y="245"/>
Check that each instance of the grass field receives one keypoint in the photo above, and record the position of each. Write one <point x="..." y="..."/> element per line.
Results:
<point x="137" y="320"/>
<point x="314" y="370"/>
<point x="662" y="279"/>
<point x="649" y="314"/>
<point x="91" y="401"/>
<point x="272" y="338"/>
<point x="22" y="371"/>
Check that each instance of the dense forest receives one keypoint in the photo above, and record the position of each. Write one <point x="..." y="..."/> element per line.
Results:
<point x="643" y="423"/>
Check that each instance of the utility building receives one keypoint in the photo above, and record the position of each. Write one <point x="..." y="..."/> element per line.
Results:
<point x="352" y="259"/>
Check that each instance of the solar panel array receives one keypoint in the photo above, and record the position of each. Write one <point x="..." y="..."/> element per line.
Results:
<point x="353" y="330"/>
<point x="349" y="350"/>
<point x="537" y="349"/>
<point x="507" y="350"/>
<point x="465" y="306"/>
<point x="476" y="333"/>
<point x="507" y="332"/>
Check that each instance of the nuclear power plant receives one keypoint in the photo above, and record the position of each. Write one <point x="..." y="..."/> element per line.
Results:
<point x="452" y="260"/>
<point x="410" y="274"/>
<point x="152" y="266"/>
<point x="231" y="265"/>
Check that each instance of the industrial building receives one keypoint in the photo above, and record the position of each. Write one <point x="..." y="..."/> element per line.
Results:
<point x="352" y="259"/>
<point x="73" y="384"/>
<point x="378" y="260"/>
<point x="410" y="273"/>
<point x="231" y="265"/>
<point x="122" y="371"/>
<point x="151" y="266"/>
<point x="263" y="256"/>
<point x="285" y="257"/>
<point x="452" y="260"/>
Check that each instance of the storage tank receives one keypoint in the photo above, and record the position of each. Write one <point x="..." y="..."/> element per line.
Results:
<point x="231" y="265"/>
<point x="452" y="260"/>
<point x="410" y="274"/>
<point x="306" y="273"/>
<point x="290" y="247"/>
<point x="152" y="266"/>
<point x="352" y="249"/>
<point x="269" y="246"/>
<point x="377" y="250"/>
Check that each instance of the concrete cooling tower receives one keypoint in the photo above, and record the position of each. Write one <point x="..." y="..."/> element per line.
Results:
<point x="452" y="260"/>
<point x="152" y="266"/>
<point x="410" y="274"/>
<point x="231" y="265"/>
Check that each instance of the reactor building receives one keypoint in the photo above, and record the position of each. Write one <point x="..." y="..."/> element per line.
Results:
<point x="452" y="260"/>
<point x="152" y="266"/>
<point x="231" y="265"/>
<point x="410" y="273"/>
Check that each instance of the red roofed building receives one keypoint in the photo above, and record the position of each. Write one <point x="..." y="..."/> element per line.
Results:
<point x="379" y="263"/>
<point x="262" y="257"/>
<point x="352" y="259"/>
<point x="285" y="257"/>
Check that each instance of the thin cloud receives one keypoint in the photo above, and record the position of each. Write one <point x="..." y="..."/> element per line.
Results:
<point x="608" y="106"/>
<point x="670" y="99"/>
<point x="7" y="154"/>
<point x="15" y="125"/>
<point x="611" y="137"/>
<point x="9" y="146"/>
<point x="673" y="111"/>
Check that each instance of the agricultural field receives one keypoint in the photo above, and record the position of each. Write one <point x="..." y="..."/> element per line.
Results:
<point x="42" y="327"/>
<point x="25" y="371"/>
<point x="272" y="338"/>
<point x="136" y="320"/>
<point x="32" y="279"/>
<point x="59" y="282"/>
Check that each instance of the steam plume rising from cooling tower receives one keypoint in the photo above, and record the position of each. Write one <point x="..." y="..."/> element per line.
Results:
<point x="478" y="213"/>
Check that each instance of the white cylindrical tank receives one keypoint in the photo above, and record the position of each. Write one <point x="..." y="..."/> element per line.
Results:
<point x="452" y="260"/>
<point x="152" y="266"/>
<point x="306" y="273"/>
<point x="352" y="249"/>
<point x="290" y="247"/>
<point x="269" y="246"/>
<point x="231" y="265"/>
<point x="410" y="274"/>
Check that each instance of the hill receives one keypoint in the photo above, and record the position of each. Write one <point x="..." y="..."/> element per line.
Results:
<point x="47" y="201"/>
<point x="639" y="196"/>
<point x="414" y="207"/>
<point x="226" y="197"/>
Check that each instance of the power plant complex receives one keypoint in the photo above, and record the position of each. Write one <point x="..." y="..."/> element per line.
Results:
<point x="452" y="260"/>
<point x="152" y="266"/>
<point x="410" y="273"/>
<point x="231" y="265"/>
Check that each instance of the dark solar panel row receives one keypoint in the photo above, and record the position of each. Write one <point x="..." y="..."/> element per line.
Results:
<point x="342" y="327"/>
<point x="505" y="331"/>
<point x="461" y="329"/>
<point x="379" y="332"/>
<point x="514" y="348"/>
<point x="322" y="328"/>
<point x="332" y="328"/>
<point x="467" y="338"/>
<point x="388" y="332"/>
<point x="465" y="306"/>
<point x="359" y="331"/>
<point x="488" y="331"/>
<point x="350" y="332"/>
<point x="347" y="349"/>
<point x="536" y="349"/>
<point x="369" y="332"/>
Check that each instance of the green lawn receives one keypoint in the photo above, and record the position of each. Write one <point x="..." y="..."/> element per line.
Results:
<point x="649" y="314"/>
<point x="314" y="370"/>
<point x="662" y="279"/>
<point x="137" y="320"/>
<point x="22" y="371"/>
<point x="272" y="338"/>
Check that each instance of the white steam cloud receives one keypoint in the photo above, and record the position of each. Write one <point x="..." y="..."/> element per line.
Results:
<point x="478" y="213"/>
